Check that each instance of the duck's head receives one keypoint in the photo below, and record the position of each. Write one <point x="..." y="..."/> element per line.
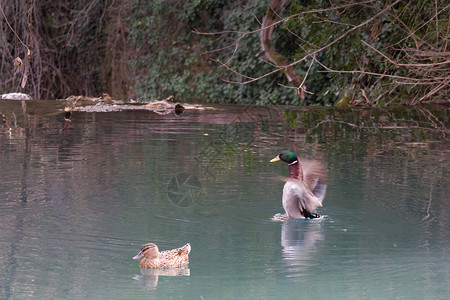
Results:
<point x="149" y="250"/>
<point x="286" y="156"/>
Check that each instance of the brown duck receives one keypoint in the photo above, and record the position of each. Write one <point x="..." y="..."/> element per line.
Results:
<point x="305" y="188"/>
<point x="175" y="258"/>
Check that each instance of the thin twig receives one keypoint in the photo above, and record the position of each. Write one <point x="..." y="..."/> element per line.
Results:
<point x="404" y="65"/>
<point x="366" y="72"/>
<point x="9" y="25"/>
<point x="434" y="91"/>
<point x="307" y="73"/>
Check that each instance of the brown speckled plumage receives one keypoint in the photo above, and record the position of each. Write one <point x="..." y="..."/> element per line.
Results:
<point x="175" y="258"/>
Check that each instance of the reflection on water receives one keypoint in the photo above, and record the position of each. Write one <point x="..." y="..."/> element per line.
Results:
<point x="78" y="196"/>
<point x="149" y="277"/>
<point x="301" y="240"/>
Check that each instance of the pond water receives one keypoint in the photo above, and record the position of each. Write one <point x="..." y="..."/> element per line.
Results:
<point x="79" y="196"/>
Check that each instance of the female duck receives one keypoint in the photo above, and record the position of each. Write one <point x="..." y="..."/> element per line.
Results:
<point x="175" y="258"/>
<point x="305" y="188"/>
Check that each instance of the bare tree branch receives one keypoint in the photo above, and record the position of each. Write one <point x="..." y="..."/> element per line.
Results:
<point x="267" y="47"/>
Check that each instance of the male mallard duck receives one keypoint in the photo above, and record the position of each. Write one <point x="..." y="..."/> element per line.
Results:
<point x="175" y="258"/>
<point x="305" y="188"/>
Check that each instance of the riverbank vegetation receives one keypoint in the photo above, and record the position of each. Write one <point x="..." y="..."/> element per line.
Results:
<point x="340" y="52"/>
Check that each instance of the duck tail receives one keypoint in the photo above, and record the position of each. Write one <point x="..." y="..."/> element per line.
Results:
<point x="187" y="247"/>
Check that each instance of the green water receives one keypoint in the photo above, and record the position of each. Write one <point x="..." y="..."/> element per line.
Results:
<point x="79" y="197"/>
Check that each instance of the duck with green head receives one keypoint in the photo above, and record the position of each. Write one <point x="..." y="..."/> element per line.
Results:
<point x="305" y="188"/>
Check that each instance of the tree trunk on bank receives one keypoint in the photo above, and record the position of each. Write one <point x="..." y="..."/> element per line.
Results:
<point x="269" y="51"/>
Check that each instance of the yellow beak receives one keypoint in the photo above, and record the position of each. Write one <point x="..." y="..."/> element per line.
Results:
<point x="276" y="159"/>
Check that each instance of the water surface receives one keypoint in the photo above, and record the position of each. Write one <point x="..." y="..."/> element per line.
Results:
<point x="79" y="196"/>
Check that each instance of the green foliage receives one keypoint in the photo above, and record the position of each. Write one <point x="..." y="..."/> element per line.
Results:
<point x="173" y="60"/>
<point x="176" y="61"/>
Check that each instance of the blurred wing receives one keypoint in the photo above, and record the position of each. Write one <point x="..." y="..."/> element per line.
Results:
<point x="315" y="176"/>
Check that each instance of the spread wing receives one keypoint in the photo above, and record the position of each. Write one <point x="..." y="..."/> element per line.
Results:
<point x="315" y="176"/>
